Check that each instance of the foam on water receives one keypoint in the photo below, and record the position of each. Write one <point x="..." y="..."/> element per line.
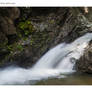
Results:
<point x="56" y="62"/>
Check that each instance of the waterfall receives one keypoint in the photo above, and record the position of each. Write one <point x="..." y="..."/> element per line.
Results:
<point x="58" y="61"/>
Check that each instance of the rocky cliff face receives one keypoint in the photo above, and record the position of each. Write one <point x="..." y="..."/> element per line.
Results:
<point x="37" y="30"/>
<point x="7" y="29"/>
<point x="7" y="18"/>
<point x="50" y="28"/>
<point x="84" y="64"/>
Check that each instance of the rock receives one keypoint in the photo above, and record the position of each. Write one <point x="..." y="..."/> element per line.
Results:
<point x="8" y="33"/>
<point x="7" y="26"/>
<point x="84" y="64"/>
<point x="7" y="23"/>
<point x="7" y="18"/>
<point x="13" y="13"/>
<point x="3" y="40"/>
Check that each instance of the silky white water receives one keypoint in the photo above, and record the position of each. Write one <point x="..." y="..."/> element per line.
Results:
<point x="56" y="62"/>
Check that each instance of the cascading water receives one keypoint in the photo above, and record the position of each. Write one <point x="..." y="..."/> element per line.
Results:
<point x="56" y="62"/>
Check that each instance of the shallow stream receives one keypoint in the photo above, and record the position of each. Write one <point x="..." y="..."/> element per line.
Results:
<point x="72" y="79"/>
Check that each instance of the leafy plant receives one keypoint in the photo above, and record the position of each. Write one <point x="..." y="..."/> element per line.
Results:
<point x="20" y="47"/>
<point x="26" y="27"/>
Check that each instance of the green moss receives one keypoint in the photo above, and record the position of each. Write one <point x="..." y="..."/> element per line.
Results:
<point x="9" y="47"/>
<point x="20" y="47"/>
<point x="32" y="41"/>
<point x="15" y="47"/>
<point x="26" y="28"/>
<point x="51" y="21"/>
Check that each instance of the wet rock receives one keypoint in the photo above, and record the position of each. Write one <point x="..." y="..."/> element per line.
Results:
<point x="84" y="64"/>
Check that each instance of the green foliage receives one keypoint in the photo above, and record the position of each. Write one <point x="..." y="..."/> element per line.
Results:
<point x="26" y="27"/>
<point x="20" y="47"/>
<point x="15" y="47"/>
<point x="9" y="47"/>
<point x="32" y="41"/>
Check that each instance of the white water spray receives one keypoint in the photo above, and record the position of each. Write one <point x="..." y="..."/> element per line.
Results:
<point x="56" y="62"/>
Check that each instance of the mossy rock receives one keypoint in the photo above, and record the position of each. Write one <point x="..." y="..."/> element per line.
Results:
<point x="26" y="28"/>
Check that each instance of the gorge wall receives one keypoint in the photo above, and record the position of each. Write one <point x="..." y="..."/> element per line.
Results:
<point x="28" y="33"/>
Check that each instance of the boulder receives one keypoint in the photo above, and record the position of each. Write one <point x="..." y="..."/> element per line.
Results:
<point x="84" y="64"/>
<point x="13" y="13"/>
<point x="7" y="26"/>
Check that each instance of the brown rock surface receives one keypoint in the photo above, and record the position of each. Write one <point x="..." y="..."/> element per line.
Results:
<point x="84" y="64"/>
